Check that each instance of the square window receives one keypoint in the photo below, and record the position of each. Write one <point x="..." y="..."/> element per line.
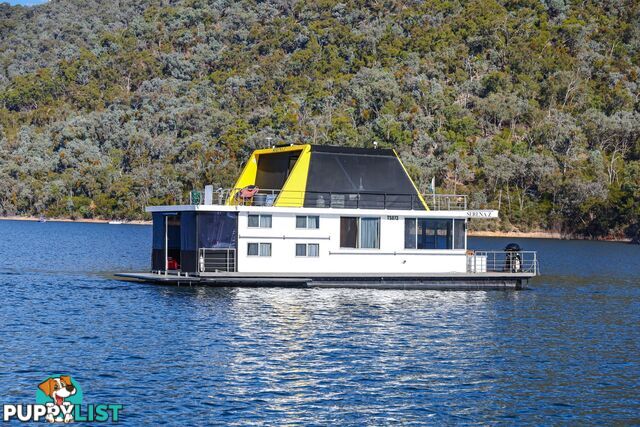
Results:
<point x="313" y="249"/>
<point x="254" y="221"/>
<point x="301" y="249"/>
<point x="252" y="249"/>
<point x="265" y="221"/>
<point x="301" y="222"/>
<point x="265" y="249"/>
<point x="313" y="222"/>
<point x="434" y="233"/>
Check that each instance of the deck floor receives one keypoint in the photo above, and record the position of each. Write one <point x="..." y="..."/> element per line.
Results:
<point x="467" y="281"/>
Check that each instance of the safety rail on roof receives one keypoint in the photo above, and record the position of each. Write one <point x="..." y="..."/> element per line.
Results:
<point x="329" y="199"/>
<point x="503" y="262"/>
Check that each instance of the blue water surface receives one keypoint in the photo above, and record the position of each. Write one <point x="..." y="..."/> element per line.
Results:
<point x="564" y="352"/>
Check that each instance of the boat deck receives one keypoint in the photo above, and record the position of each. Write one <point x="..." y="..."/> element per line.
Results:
<point x="442" y="281"/>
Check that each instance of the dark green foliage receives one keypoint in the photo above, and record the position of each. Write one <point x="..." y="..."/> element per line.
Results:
<point x="531" y="107"/>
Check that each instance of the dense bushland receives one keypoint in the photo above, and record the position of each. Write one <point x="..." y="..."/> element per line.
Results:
<point x="528" y="106"/>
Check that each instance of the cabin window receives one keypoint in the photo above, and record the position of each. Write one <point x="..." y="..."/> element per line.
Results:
<point x="313" y="249"/>
<point x="459" y="230"/>
<point x="427" y="233"/>
<point x="307" y="249"/>
<point x="259" y="221"/>
<point x="252" y="249"/>
<point x="348" y="232"/>
<point x="301" y="249"/>
<point x="370" y="233"/>
<point x="265" y="249"/>
<point x="360" y="232"/>
<point x="307" y="221"/>
<point x="434" y="233"/>
<point x="259" y="249"/>
<point x="410" y="237"/>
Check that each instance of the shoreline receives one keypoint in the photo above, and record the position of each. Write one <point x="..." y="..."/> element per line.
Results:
<point x="540" y="235"/>
<point x="81" y="220"/>
<point x="471" y="233"/>
<point x="523" y="234"/>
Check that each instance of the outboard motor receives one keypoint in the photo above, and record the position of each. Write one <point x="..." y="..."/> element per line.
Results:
<point x="513" y="259"/>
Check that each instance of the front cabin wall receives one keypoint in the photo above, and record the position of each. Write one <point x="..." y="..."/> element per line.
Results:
<point x="178" y="237"/>
<point x="391" y="257"/>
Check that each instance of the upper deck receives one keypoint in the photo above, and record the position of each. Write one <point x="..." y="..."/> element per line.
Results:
<point x="314" y="176"/>
<point x="259" y="197"/>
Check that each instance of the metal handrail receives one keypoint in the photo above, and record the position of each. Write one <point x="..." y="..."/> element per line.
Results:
<point x="503" y="262"/>
<point x="332" y="199"/>
<point x="212" y="260"/>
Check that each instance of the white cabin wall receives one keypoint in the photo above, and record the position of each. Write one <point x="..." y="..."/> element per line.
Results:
<point x="390" y="258"/>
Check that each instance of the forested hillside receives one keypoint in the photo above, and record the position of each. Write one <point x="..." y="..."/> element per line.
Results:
<point x="531" y="107"/>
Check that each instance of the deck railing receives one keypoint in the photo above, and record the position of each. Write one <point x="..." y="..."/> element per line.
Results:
<point x="330" y="199"/>
<point x="503" y="262"/>
<point x="214" y="260"/>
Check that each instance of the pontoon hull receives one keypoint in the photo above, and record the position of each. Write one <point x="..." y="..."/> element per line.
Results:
<point x="453" y="281"/>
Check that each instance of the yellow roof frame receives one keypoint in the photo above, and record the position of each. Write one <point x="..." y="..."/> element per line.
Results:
<point x="293" y="191"/>
<point x="296" y="182"/>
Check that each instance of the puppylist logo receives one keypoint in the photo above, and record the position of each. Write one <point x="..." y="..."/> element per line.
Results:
<point x="59" y="399"/>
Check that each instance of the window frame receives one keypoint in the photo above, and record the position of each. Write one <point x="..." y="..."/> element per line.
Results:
<point x="317" y="245"/>
<point x="415" y="233"/>
<point x="379" y="231"/>
<point x="260" y="217"/>
<point x="259" y="246"/>
<point x="265" y="244"/>
<point x="301" y="245"/>
<point x="306" y="250"/>
<point x="359" y="234"/>
<point x="306" y="222"/>
<point x="464" y="233"/>
<point x="452" y="236"/>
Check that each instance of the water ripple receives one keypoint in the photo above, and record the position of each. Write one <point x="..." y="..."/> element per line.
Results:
<point x="562" y="353"/>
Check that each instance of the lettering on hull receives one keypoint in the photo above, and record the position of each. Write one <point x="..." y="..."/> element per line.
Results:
<point x="482" y="214"/>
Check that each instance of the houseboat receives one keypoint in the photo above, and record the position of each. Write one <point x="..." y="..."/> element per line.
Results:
<point x="325" y="216"/>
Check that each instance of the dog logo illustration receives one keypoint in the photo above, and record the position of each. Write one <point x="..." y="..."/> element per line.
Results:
<point x="61" y="391"/>
<point x="59" y="400"/>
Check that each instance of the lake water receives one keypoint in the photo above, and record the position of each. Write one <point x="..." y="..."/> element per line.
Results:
<point x="564" y="352"/>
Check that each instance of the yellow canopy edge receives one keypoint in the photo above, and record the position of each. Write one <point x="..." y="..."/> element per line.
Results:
<point x="294" y="188"/>
<point x="250" y="171"/>
<point x="412" y="183"/>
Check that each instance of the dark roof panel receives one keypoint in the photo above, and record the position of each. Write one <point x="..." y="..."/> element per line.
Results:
<point x="352" y="150"/>
<point x="357" y="177"/>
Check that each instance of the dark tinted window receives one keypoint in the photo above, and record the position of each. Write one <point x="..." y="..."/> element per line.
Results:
<point x="252" y="249"/>
<point x="410" y="233"/>
<point x="459" y="232"/>
<point x="301" y="249"/>
<point x="434" y="233"/>
<point x="348" y="232"/>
